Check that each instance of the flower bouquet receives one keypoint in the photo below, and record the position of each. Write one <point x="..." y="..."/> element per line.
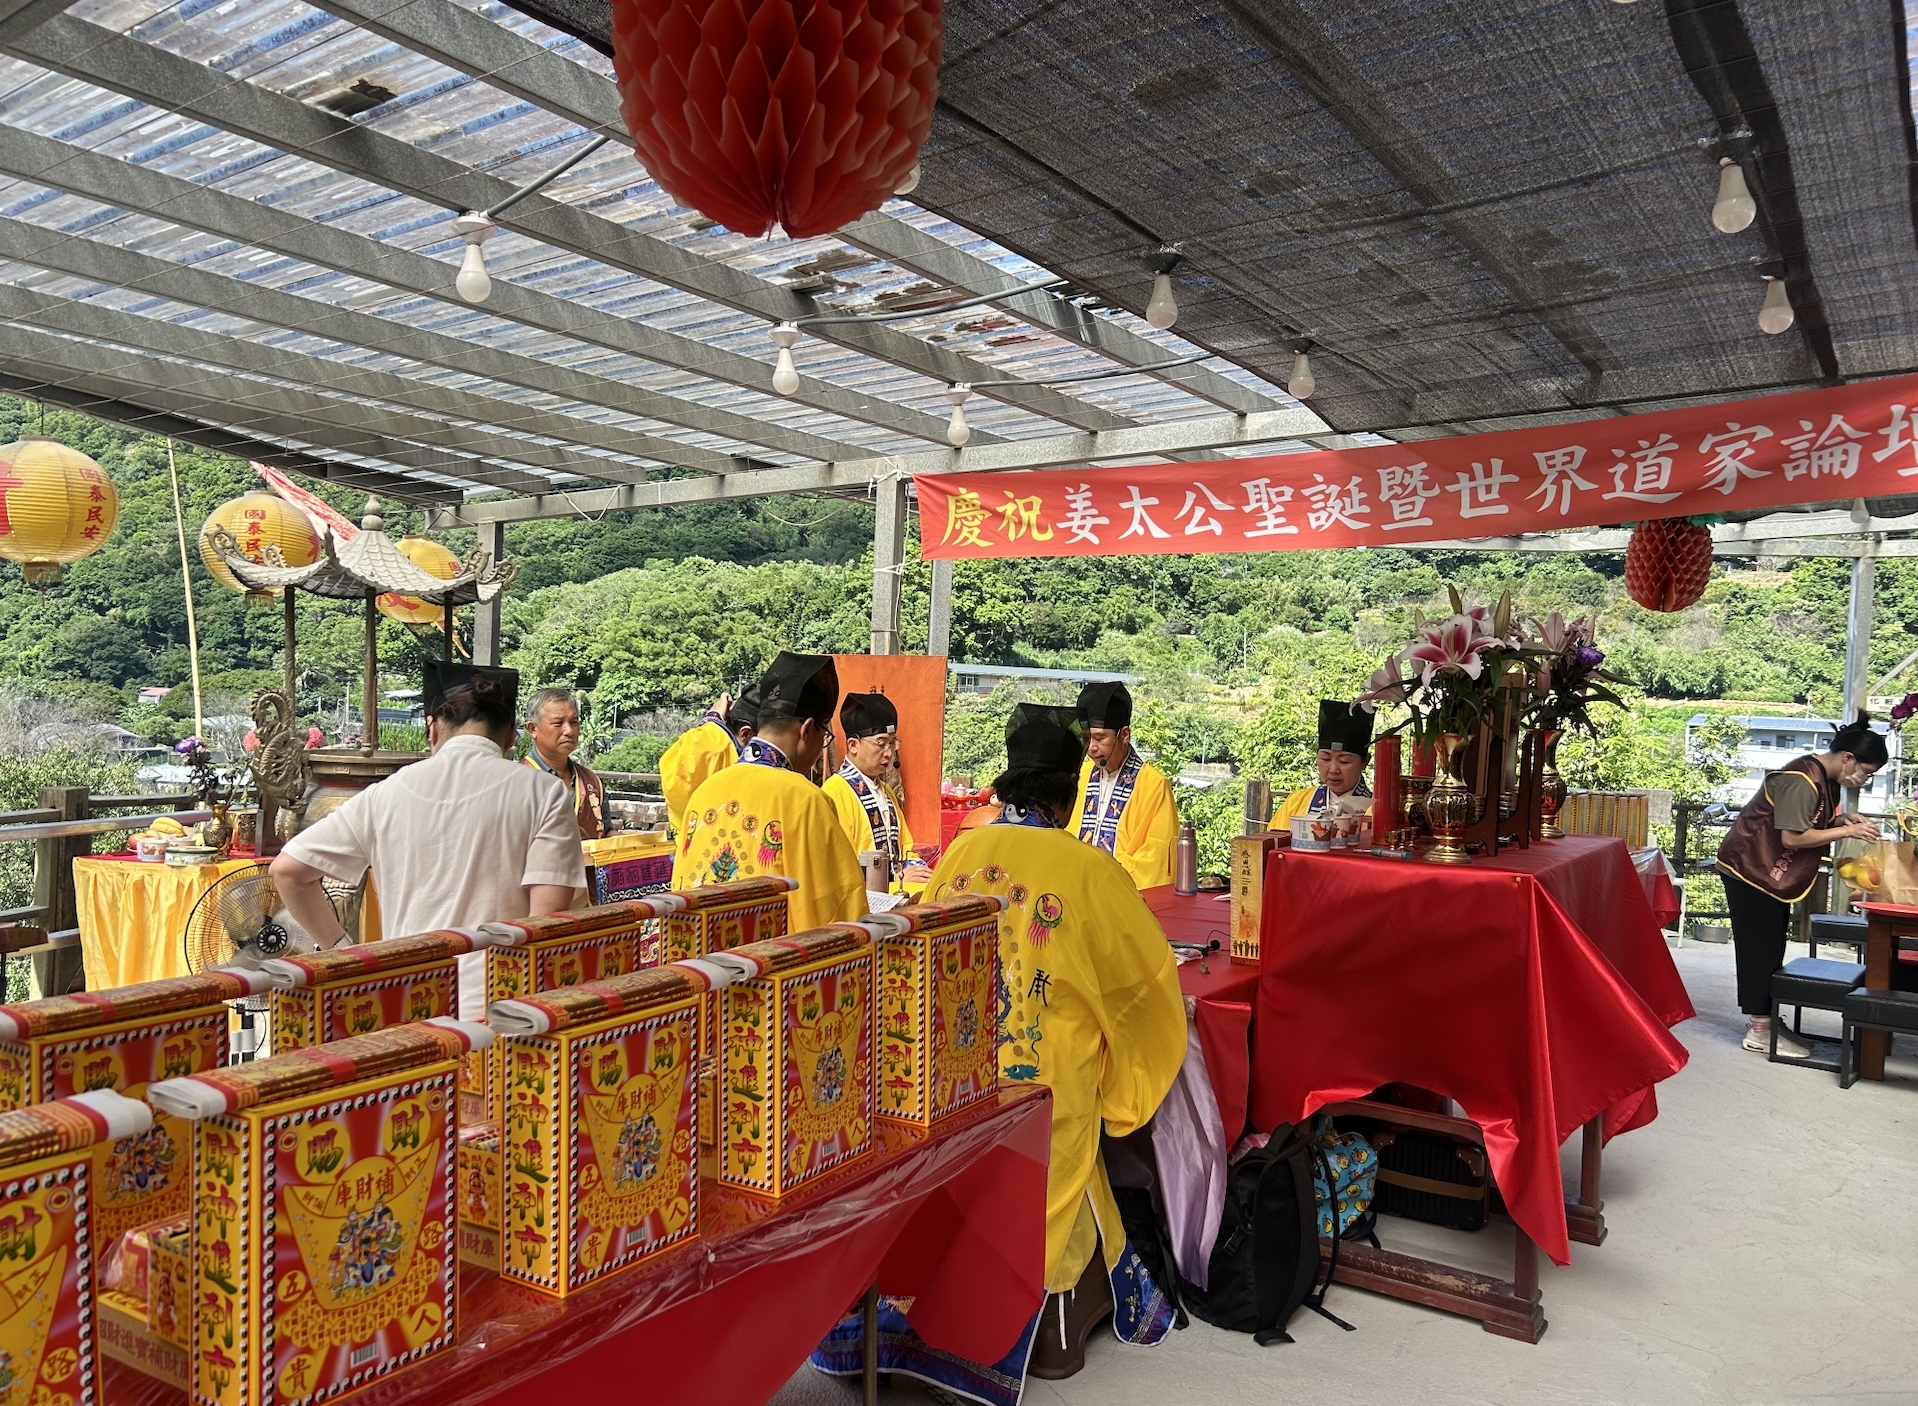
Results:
<point x="1449" y="677"/>
<point x="1569" y="679"/>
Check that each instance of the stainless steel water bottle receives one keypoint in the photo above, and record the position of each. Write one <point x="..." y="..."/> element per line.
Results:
<point x="1185" y="872"/>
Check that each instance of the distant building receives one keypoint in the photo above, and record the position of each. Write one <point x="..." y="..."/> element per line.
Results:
<point x="150" y="697"/>
<point x="984" y="678"/>
<point x="1771" y="742"/>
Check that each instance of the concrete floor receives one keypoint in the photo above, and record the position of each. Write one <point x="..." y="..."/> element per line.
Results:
<point x="1763" y="1249"/>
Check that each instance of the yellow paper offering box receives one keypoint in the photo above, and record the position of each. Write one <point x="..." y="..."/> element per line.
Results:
<point x="480" y="1187"/>
<point x="143" y="1304"/>
<point x="720" y="917"/>
<point x="938" y="984"/>
<point x="327" y="996"/>
<point x="124" y="1039"/>
<point x="47" y="1321"/>
<point x="546" y="953"/>
<point x="600" y="1147"/>
<point x="796" y="1071"/>
<point x="322" y="1245"/>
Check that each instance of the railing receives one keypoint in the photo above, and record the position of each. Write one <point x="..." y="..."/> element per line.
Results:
<point x="632" y="785"/>
<point x="61" y="830"/>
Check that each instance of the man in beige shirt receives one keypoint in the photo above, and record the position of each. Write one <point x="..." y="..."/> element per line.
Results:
<point x="465" y="837"/>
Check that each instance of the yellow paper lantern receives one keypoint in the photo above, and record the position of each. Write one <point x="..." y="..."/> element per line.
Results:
<point x="257" y="520"/>
<point x="56" y="506"/>
<point x="429" y="556"/>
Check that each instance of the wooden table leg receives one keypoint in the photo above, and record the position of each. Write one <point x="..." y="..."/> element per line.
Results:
<point x="1585" y="1218"/>
<point x="869" y="1338"/>
<point x="1524" y="1288"/>
<point x="1880" y="943"/>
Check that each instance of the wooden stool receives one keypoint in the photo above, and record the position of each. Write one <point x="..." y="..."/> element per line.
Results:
<point x="1894" y="1012"/>
<point x="1810" y="981"/>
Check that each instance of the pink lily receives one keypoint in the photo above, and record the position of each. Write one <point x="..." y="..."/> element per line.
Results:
<point x="1552" y="632"/>
<point x="1451" y="646"/>
<point x="1387" y="685"/>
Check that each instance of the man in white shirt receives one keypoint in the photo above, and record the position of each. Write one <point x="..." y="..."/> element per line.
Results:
<point x="465" y="837"/>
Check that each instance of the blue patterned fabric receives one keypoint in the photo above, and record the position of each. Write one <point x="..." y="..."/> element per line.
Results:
<point x="901" y="1350"/>
<point x="1141" y="1313"/>
<point x="1322" y="797"/>
<point x="1103" y="829"/>
<point x="1355" y="1171"/>
<point x="760" y="752"/>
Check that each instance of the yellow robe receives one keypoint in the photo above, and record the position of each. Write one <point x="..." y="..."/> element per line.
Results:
<point x="1148" y="826"/>
<point x="697" y="753"/>
<point x="1095" y="1012"/>
<point x="858" y="825"/>
<point x="749" y="819"/>
<point x="1298" y="802"/>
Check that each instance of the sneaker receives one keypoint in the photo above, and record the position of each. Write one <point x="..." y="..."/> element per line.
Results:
<point x="1789" y="1046"/>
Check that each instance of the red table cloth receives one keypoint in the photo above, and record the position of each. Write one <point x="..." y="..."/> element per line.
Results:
<point x="1220" y="993"/>
<point x="954" y="1217"/>
<point x="1533" y="988"/>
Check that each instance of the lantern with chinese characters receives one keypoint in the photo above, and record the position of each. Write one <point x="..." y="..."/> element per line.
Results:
<point x="257" y="521"/>
<point x="429" y="556"/>
<point x="1668" y="563"/>
<point x="56" y="506"/>
<point x="801" y="113"/>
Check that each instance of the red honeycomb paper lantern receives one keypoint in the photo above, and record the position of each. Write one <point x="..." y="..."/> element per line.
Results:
<point x="802" y="113"/>
<point x="1668" y="563"/>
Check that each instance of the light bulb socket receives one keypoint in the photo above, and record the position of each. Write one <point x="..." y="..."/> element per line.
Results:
<point x="474" y="227"/>
<point x="786" y="335"/>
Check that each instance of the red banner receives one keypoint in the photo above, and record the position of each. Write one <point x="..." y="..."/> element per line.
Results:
<point x="1809" y="447"/>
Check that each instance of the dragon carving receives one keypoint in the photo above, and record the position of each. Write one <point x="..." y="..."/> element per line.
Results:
<point x="280" y="766"/>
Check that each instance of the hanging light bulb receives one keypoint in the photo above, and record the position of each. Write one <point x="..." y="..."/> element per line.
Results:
<point x="910" y="183"/>
<point x="1734" y="209"/>
<point x="472" y="282"/>
<point x="1163" y="309"/>
<point x="785" y="374"/>
<point x="1301" y="386"/>
<point x="957" y="430"/>
<point x="1776" y="315"/>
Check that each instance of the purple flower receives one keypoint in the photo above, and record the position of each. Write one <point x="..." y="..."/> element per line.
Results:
<point x="187" y="746"/>
<point x="1588" y="656"/>
<point x="1904" y="707"/>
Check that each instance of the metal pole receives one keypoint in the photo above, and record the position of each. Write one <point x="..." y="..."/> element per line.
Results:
<point x="370" y="685"/>
<point x="869" y="1340"/>
<point x="1864" y="576"/>
<point x="888" y="555"/>
<point x="186" y="581"/>
<point x="446" y="624"/>
<point x="939" y="622"/>
<point x="292" y="674"/>
<point x="492" y="541"/>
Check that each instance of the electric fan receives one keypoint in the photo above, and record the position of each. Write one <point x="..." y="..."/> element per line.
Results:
<point x="241" y="922"/>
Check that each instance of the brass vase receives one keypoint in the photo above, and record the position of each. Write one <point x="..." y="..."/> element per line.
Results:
<point x="1417" y="788"/>
<point x="1551" y="786"/>
<point x="217" y="833"/>
<point x="1448" y="806"/>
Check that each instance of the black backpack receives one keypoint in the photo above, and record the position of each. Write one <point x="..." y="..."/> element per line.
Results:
<point x="1265" y="1263"/>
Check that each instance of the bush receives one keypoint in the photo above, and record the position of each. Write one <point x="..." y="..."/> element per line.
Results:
<point x="21" y="778"/>
<point x="639" y="752"/>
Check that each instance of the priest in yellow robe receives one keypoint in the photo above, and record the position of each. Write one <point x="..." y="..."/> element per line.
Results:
<point x="1095" y="1015"/>
<point x="762" y="816"/>
<point x="1125" y="806"/>
<point x="712" y="743"/>
<point x="1345" y="745"/>
<point x="871" y="812"/>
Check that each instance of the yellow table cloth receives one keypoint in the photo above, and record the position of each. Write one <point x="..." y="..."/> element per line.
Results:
<point x="133" y="916"/>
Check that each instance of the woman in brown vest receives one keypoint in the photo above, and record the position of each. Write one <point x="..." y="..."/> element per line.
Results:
<point x="1770" y="861"/>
